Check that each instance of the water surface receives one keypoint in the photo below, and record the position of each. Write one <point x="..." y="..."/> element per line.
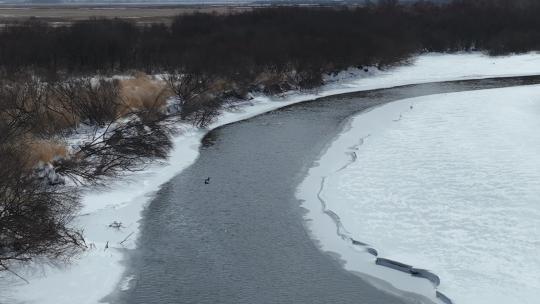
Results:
<point x="241" y="238"/>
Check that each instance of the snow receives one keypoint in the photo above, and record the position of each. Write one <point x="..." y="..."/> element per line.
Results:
<point x="98" y="271"/>
<point x="450" y="185"/>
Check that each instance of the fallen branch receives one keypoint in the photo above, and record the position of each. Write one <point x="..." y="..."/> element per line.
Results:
<point x="127" y="237"/>
<point x="14" y="273"/>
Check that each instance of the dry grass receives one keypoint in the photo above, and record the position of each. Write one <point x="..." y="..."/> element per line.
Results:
<point x="40" y="150"/>
<point x="51" y="115"/>
<point x="143" y="92"/>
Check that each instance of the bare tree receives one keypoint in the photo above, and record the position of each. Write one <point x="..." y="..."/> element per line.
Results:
<point x="197" y="99"/>
<point x="34" y="216"/>
<point x="188" y="86"/>
<point x="22" y="104"/>
<point x="123" y="145"/>
<point x="92" y="103"/>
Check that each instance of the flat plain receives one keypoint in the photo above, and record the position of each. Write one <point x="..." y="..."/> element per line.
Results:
<point x="144" y="14"/>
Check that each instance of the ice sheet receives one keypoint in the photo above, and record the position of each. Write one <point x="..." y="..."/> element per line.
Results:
<point x="451" y="184"/>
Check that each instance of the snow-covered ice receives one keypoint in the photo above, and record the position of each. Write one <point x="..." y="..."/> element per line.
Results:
<point x="97" y="272"/>
<point x="446" y="182"/>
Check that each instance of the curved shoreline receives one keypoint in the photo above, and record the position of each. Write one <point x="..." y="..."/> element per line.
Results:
<point x="227" y="140"/>
<point x="345" y="235"/>
<point x="126" y="199"/>
<point x="320" y="175"/>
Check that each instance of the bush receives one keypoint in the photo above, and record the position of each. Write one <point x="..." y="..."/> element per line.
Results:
<point x="25" y="105"/>
<point x="88" y="102"/>
<point x="121" y="146"/>
<point x="34" y="216"/>
<point x="36" y="207"/>
<point x="197" y="96"/>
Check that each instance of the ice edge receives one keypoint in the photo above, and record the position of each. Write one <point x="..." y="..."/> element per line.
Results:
<point x="345" y="235"/>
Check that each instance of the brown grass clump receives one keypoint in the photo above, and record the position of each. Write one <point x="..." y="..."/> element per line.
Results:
<point x="40" y="150"/>
<point x="273" y="82"/>
<point x="143" y="92"/>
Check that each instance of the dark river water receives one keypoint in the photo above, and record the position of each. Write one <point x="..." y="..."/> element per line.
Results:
<point x="241" y="238"/>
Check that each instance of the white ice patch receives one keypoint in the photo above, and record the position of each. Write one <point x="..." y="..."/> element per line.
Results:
<point x="451" y="184"/>
<point x="97" y="272"/>
<point x="125" y="285"/>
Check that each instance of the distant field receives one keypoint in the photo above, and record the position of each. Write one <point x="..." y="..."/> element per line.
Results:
<point x="139" y="13"/>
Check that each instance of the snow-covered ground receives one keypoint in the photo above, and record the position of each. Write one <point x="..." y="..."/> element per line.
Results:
<point x="446" y="182"/>
<point x="98" y="271"/>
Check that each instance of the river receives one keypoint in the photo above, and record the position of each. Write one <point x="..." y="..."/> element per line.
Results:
<point x="242" y="237"/>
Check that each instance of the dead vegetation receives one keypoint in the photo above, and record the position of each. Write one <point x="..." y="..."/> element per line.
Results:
<point x="27" y="105"/>
<point x="143" y="92"/>
<point x="122" y="146"/>
<point x="121" y="125"/>
<point x="86" y="101"/>
<point x="200" y="97"/>
<point x="45" y="151"/>
<point x="130" y="117"/>
<point x="35" y="217"/>
<point x="125" y="126"/>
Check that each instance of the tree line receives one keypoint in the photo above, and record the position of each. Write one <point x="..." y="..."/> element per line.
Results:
<point x="244" y="46"/>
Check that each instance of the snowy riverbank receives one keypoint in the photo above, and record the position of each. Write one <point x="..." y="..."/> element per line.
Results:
<point x="98" y="271"/>
<point x="445" y="182"/>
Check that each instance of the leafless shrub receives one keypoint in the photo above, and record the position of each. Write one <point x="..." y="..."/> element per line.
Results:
<point x="34" y="216"/>
<point x="35" y="209"/>
<point x="307" y="79"/>
<point x="272" y="82"/>
<point x="188" y="86"/>
<point x="24" y="106"/>
<point x="198" y="100"/>
<point x="121" y="146"/>
<point x="202" y="110"/>
<point x="92" y="103"/>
